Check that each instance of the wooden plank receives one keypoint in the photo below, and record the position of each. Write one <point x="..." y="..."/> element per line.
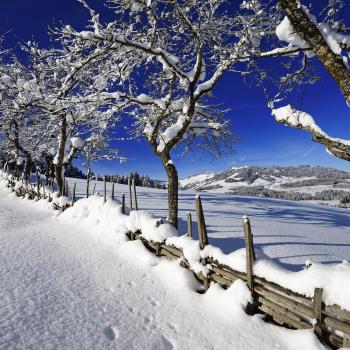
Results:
<point x="292" y="305"/>
<point x="173" y="250"/>
<point x="336" y="324"/>
<point x="113" y="191"/>
<point x="282" y="313"/>
<point x="221" y="280"/>
<point x="336" y="312"/>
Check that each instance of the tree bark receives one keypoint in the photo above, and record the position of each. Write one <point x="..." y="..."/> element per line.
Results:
<point x="27" y="166"/>
<point x="60" y="158"/>
<point x="334" y="63"/>
<point x="48" y="162"/>
<point x="173" y="189"/>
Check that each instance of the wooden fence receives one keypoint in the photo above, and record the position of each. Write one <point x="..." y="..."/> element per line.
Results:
<point x="279" y="304"/>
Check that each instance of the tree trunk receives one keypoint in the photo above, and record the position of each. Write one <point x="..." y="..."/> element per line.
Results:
<point x="334" y="63"/>
<point x="27" y="167"/>
<point x="48" y="161"/>
<point x="173" y="189"/>
<point x="60" y="158"/>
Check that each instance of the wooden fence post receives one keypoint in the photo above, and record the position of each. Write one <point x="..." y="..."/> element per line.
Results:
<point x="67" y="189"/>
<point x="38" y="184"/>
<point x="49" y="197"/>
<point x="130" y="195"/>
<point x="93" y="191"/>
<point x="104" y="190"/>
<point x="44" y="194"/>
<point x="203" y="236"/>
<point x="135" y="194"/>
<point x="202" y="230"/>
<point x="317" y="306"/>
<point x="189" y="224"/>
<point x="73" y="195"/>
<point x="250" y="257"/>
<point x="87" y="185"/>
<point x="113" y="190"/>
<point x="123" y="203"/>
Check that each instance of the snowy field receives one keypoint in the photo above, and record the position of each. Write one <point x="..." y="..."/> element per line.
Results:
<point x="290" y="232"/>
<point x="69" y="285"/>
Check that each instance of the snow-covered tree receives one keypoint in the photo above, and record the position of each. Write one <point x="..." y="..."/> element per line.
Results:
<point x="325" y="38"/>
<point x="176" y="51"/>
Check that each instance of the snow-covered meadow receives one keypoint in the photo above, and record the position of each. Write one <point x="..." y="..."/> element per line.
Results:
<point x="289" y="232"/>
<point x="71" y="281"/>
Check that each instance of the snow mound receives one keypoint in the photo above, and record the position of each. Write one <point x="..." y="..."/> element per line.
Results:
<point x="94" y="212"/>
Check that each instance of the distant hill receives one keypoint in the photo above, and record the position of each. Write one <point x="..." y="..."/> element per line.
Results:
<point x="302" y="182"/>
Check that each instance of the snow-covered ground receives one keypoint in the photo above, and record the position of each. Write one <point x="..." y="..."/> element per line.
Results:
<point x="289" y="232"/>
<point x="68" y="284"/>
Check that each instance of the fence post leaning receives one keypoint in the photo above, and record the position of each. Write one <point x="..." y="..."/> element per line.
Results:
<point x="123" y="203"/>
<point x="250" y="257"/>
<point x="189" y="224"/>
<point x="130" y="195"/>
<point x="202" y="230"/>
<point x="135" y="194"/>
<point x="317" y="306"/>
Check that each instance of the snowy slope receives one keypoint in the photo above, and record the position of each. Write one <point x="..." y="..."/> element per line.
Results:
<point x="69" y="285"/>
<point x="301" y="182"/>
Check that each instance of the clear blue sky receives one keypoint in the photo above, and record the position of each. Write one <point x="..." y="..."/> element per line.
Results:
<point x="263" y="142"/>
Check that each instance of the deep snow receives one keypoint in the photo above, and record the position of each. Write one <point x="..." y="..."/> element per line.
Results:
<point x="73" y="285"/>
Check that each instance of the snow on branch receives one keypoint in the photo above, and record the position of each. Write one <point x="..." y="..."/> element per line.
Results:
<point x="289" y="116"/>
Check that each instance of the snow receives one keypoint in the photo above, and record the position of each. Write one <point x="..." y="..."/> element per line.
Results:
<point x="71" y="284"/>
<point x="295" y="118"/>
<point x="196" y="179"/>
<point x="286" y="32"/>
<point x="77" y="142"/>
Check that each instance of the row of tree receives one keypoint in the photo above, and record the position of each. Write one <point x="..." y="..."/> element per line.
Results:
<point x="151" y="72"/>
<point x="140" y="180"/>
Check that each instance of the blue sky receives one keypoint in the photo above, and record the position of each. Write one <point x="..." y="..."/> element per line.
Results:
<point x="263" y="142"/>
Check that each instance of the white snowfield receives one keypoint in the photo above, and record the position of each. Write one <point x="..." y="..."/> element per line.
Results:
<point x="73" y="281"/>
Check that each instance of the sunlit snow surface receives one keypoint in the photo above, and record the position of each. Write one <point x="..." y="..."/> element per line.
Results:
<point x="290" y="232"/>
<point x="69" y="284"/>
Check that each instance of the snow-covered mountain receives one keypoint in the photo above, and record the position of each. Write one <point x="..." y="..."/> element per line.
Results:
<point x="302" y="182"/>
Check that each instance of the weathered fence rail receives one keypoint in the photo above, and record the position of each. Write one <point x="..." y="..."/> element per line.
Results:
<point x="283" y="306"/>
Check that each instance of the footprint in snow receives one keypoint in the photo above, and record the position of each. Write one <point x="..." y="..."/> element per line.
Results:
<point x="111" y="333"/>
